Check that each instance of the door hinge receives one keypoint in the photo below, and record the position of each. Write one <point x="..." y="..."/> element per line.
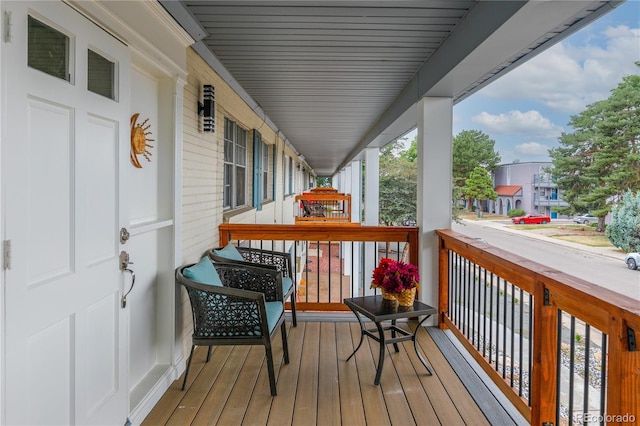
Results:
<point x="6" y="254"/>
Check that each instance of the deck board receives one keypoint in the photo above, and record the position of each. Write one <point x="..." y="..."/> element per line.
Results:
<point x="319" y="386"/>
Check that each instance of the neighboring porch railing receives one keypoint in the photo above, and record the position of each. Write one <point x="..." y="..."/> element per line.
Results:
<point x="323" y="207"/>
<point x="330" y="261"/>
<point x="561" y="349"/>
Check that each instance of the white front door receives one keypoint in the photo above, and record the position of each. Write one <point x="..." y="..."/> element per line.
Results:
<point x="65" y="144"/>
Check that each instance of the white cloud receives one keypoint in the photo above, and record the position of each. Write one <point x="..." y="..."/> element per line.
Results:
<point x="530" y="123"/>
<point x="566" y="77"/>
<point x="531" y="149"/>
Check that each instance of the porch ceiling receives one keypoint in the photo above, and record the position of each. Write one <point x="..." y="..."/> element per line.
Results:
<point x="335" y="77"/>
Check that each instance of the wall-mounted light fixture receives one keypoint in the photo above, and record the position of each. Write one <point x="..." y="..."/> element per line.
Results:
<point x="207" y="109"/>
<point x="298" y="166"/>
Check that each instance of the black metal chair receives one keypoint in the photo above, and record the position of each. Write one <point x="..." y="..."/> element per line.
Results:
<point x="313" y="209"/>
<point x="273" y="259"/>
<point x="246" y="309"/>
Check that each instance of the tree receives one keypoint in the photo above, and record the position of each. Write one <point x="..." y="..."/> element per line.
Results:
<point x="624" y="229"/>
<point x="411" y="154"/>
<point x="323" y="181"/>
<point x="471" y="149"/>
<point x="479" y="186"/>
<point x="601" y="160"/>
<point x="398" y="185"/>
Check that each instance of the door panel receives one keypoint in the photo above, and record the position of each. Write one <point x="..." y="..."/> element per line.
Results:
<point x="102" y="189"/>
<point x="49" y="142"/>
<point x="102" y="355"/>
<point x="63" y="150"/>
<point x="50" y="355"/>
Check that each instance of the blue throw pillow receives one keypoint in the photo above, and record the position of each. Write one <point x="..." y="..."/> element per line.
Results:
<point x="229" y="252"/>
<point x="203" y="272"/>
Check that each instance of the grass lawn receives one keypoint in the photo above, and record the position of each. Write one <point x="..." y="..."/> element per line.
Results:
<point x="580" y="234"/>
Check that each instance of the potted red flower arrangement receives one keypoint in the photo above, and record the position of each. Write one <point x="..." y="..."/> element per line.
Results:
<point x="397" y="280"/>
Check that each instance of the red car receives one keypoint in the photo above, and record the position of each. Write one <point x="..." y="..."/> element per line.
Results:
<point x="531" y="218"/>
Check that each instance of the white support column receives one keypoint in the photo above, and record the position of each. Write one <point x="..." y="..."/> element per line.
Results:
<point x="371" y="209"/>
<point x="435" y="140"/>
<point x="372" y="186"/>
<point x="355" y="189"/>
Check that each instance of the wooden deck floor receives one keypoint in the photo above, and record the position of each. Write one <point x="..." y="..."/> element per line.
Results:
<point x="318" y="386"/>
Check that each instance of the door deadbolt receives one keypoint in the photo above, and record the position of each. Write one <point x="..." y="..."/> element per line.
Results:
<point x="124" y="235"/>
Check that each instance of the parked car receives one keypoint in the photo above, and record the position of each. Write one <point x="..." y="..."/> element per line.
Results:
<point x="531" y="218"/>
<point x="585" y="219"/>
<point x="632" y="260"/>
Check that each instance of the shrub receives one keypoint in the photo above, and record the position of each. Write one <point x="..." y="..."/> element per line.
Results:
<point x="516" y="212"/>
<point x="624" y="229"/>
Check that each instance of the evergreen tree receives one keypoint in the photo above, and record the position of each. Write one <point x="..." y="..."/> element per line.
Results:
<point x="601" y="160"/>
<point x="479" y="186"/>
<point x="471" y="149"/>
<point x="624" y="229"/>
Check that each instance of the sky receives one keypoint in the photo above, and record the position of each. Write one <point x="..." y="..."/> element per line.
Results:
<point x="526" y="110"/>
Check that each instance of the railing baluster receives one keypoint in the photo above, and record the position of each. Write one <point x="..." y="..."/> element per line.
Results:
<point x="451" y="284"/>
<point x="558" y="360"/>
<point x="491" y="320"/>
<point x="329" y="272"/>
<point x="472" y="297"/>
<point x="477" y="309"/>
<point x="513" y="331"/>
<point x="458" y="294"/>
<point x="531" y="302"/>
<point x="340" y="270"/>
<point x="572" y="354"/>
<point x="484" y="315"/>
<point x="587" y="364"/>
<point x="521" y="335"/>
<point x="603" y="378"/>
<point x="504" y="331"/>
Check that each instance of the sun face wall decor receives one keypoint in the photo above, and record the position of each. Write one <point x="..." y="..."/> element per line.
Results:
<point x="139" y="140"/>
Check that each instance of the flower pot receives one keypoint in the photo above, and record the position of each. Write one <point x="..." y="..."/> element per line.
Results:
<point x="406" y="297"/>
<point x="387" y="296"/>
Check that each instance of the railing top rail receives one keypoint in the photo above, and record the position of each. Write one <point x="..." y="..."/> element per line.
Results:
<point x="323" y="196"/>
<point x="576" y="296"/>
<point x="315" y="232"/>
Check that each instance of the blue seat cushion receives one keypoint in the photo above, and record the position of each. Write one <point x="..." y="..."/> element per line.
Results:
<point x="229" y="252"/>
<point x="286" y="284"/>
<point x="274" y="310"/>
<point x="203" y="272"/>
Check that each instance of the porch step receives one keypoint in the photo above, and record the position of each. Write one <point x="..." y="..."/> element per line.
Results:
<point x="496" y="407"/>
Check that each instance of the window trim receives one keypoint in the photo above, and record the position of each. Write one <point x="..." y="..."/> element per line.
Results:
<point x="266" y="171"/>
<point x="235" y="138"/>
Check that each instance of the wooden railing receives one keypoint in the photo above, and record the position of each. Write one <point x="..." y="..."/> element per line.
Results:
<point x="534" y="329"/>
<point x="323" y="207"/>
<point x="353" y="249"/>
<point x="561" y="349"/>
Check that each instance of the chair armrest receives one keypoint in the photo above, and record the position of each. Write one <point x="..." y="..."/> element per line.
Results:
<point x="280" y="260"/>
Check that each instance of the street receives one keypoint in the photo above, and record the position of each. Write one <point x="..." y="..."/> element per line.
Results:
<point x="601" y="267"/>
